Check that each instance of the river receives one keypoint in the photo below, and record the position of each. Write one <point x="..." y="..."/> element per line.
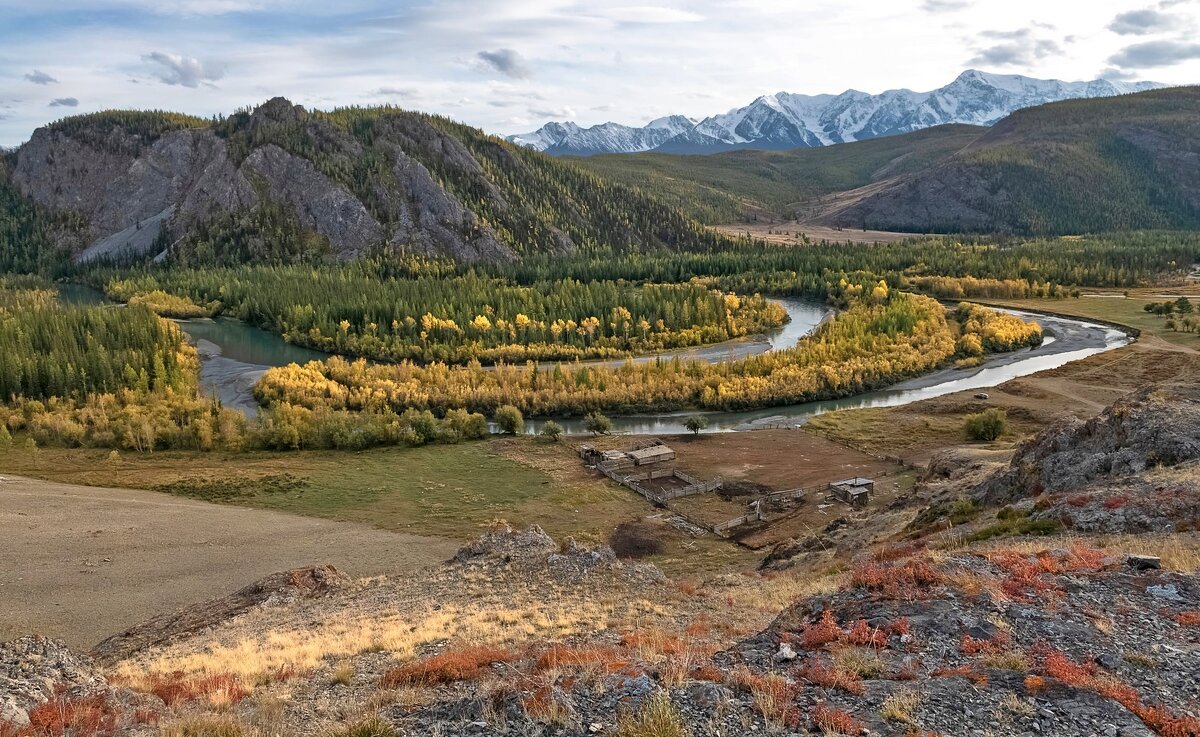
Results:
<point x="234" y="355"/>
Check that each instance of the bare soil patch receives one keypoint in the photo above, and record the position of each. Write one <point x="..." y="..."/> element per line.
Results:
<point x="82" y="563"/>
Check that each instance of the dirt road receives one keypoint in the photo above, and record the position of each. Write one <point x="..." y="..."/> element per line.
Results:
<point x="81" y="563"/>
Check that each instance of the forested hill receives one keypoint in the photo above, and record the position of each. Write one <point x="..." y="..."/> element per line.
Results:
<point x="1067" y="167"/>
<point x="281" y="183"/>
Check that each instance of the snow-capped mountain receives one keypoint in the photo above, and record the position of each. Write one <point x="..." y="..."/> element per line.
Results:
<point x="785" y="120"/>
<point x="568" y="139"/>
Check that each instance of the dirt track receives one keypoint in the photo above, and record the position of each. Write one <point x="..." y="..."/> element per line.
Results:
<point x="81" y="563"/>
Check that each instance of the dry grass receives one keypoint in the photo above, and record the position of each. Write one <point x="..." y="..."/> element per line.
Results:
<point x="1014" y="704"/>
<point x="1178" y="551"/>
<point x="658" y="717"/>
<point x="774" y="697"/>
<point x="204" y="726"/>
<point x="343" y="674"/>
<point x="861" y="661"/>
<point x="1014" y="660"/>
<point x="902" y="707"/>
<point x="255" y="657"/>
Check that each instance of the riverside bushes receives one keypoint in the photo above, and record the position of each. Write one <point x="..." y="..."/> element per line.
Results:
<point x="883" y="337"/>
<point x="104" y="377"/>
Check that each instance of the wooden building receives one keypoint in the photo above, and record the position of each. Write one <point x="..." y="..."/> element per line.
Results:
<point x="856" y="491"/>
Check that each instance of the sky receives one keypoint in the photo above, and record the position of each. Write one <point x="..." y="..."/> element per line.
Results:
<point x="509" y="66"/>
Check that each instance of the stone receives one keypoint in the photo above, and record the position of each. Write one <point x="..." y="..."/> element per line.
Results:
<point x="1144" y="562"/>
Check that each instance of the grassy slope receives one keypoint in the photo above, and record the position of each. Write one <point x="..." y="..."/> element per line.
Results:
<point x="720" y="187"/>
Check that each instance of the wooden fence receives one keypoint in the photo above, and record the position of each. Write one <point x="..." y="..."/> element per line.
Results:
<point x="661" y="496"/>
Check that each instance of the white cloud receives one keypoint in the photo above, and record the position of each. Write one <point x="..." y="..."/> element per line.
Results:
<point x="64" y="102"/>
<point x="651" y="14"/>
<point x="187" y="71"/>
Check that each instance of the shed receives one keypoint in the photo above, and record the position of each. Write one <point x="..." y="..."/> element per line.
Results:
<point x="856" y="491"/>
<point x="653" y="454"/>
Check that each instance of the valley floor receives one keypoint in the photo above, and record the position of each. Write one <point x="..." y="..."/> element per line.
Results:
<point x="133" y="553"/>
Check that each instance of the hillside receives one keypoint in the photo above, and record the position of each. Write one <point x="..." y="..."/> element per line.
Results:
<point x="1068" y="167"/>
<point x="281" y="183"/>
<point x="724" y="187"/>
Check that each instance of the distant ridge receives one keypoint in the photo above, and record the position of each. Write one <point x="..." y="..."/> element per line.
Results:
<point x="785" y="120"/>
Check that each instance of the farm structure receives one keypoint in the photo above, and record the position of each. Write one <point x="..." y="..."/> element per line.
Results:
<point x="649" y="470"/>
<point x="855" y="492"/>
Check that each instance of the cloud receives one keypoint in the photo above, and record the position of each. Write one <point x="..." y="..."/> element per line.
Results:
<point x="1155" y="54"/>
<point x="944" y="6"/>
<point x="185" y="71"/>
<point x="650" y="14"/>
<point x="1142" y="22"/>
<point x="1014" y="48"/>
<point x="555" y="113"/>
<point x="37" y="76"/>
<point x="64" y="102"/>
<point x="397" y="92"/>
<point x="505" y="61"/>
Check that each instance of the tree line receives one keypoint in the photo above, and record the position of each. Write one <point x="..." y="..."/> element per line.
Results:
<point x="883" y="337"/>
<point x="350" y="309"/>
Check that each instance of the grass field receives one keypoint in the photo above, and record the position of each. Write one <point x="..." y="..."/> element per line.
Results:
<point x="447" y="491"/>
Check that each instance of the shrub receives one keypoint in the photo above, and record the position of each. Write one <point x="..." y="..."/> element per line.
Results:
<point x="83" y="716"/>
<point x="696" y="423"/>
<point x="510" y="420"/>
<point x="1188" y="619"/>
<point x="448" y="667"/>
<point x="635" y="540"/>
<point x="215" y="688"/>
<point x="835" y="721"/>
<point x="551" y="431"/>
<point x="828" y="675"/>
<point x="911" y="580"/>
<point x="597" y="424"/>
<point x="987" y="425"/>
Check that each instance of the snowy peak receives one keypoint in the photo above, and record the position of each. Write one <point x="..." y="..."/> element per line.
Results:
<point x="568" y="139"/>
<point x="784" y="120"/>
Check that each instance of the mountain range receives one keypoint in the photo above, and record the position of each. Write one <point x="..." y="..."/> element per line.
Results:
<point x="784" y="120"/>
<point x="1074" y="166"/>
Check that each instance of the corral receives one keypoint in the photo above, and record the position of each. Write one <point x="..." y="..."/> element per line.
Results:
<point x="649" y="469"/>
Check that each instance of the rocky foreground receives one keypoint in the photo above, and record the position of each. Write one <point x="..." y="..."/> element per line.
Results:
<point x="966" y="621"/>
